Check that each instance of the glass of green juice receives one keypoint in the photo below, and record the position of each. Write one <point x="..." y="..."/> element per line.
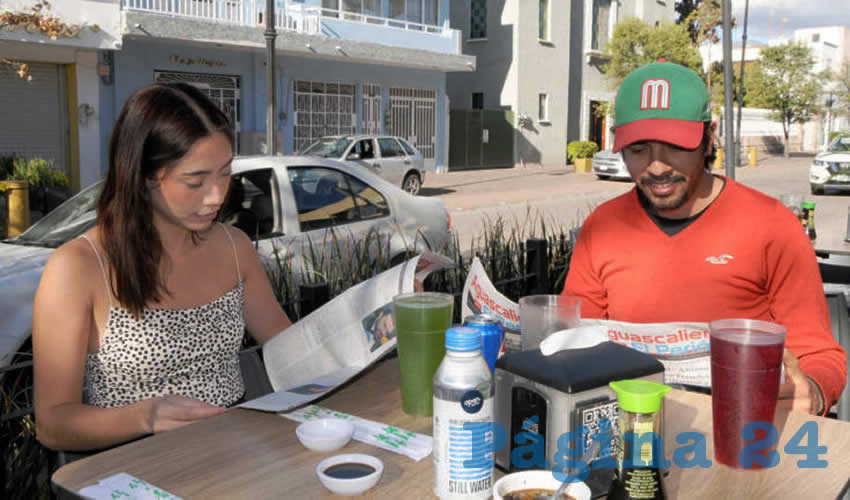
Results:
<point x="421" y="320"/>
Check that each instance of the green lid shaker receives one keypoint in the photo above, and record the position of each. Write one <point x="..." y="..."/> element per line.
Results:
<point x="640" y="414"/>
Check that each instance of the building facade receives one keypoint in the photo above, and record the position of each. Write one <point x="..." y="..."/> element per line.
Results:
<point x="592" y="27"/>
<point x="541" y="60"/>
<point x="830" y="46"/>
<point x="522" y="56"/>
<point x="54" y="112"/>
<point x="342" y="67"/>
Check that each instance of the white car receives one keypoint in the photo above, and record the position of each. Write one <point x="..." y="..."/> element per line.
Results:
<point x="293" y="207"/>
<point x="609" y="165"/>
<point x="392" y="158"/>
<point x="831" y="168"/>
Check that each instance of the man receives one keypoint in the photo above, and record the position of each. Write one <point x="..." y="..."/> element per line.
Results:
<point x="687" y="245"/>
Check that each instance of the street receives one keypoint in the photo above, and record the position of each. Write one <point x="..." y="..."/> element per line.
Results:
<point x="564" y="198"/>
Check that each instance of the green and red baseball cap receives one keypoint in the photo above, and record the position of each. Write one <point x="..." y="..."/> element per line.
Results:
<point x="661" y="101"/>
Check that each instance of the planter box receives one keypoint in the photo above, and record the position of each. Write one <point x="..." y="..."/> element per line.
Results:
<point x="583" y="165"/>
<point x="4" y="215"/>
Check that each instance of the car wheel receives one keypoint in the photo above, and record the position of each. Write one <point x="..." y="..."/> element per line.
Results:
<point x="603" y="177"/>
<point x="411" y="183"/>
<point x="817" y="189"/>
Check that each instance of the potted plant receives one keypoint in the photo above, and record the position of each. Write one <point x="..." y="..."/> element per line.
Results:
<point x="581" y="154"/>
<point x="48" y="187"/>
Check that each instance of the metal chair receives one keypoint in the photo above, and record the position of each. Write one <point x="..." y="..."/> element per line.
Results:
<point x="838" y="315"/>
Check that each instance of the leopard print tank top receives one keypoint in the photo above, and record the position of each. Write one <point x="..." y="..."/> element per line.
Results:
<point x="188" y="352"/>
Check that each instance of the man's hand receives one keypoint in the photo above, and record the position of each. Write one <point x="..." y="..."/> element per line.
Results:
<point x="798" y="391"/>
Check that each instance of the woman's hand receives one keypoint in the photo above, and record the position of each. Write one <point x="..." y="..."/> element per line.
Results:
<point x="171" y="412"/>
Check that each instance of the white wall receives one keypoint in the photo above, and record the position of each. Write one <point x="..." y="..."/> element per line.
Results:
<point x="88" y="93"/>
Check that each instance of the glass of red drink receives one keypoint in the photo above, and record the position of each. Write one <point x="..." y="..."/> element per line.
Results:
<point x="746" y="364"/>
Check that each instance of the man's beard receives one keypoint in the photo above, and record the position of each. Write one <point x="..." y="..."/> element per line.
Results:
<point x="671" y="202"/>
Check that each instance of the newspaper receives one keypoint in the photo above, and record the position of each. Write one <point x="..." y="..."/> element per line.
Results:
<point x="340" y="339"/>
<point x="683" y="348"/>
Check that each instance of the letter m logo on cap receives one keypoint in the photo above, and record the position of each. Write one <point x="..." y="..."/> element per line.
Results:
<point x="655" y="94"/>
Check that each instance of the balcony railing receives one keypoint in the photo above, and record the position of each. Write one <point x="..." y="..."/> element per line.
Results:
<point x="291" y="17"/>
<point x="381" y="21"/>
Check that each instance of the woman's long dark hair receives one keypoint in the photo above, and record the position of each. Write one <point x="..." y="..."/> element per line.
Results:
<point x="157" y="127"/>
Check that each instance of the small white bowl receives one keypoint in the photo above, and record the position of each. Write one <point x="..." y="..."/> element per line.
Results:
<point x="353" y="486"/>
<point x="533" y="479"/>
<point x="326" y="434"/>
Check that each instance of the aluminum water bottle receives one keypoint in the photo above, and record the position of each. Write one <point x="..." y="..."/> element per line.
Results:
<point x="463" y="419"/>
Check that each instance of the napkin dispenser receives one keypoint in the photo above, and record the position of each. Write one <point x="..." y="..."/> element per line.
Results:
<point x="539" y="398"/>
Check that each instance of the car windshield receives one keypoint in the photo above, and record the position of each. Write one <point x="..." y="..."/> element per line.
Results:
<point x="328" y="147"/>
<point x="69" y="220"/>
<point x="839" y="145"/>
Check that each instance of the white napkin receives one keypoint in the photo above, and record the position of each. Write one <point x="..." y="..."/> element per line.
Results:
<point x="125" y="486"/>
<point x="573" y="338"/>
<point x="412" y="444"/>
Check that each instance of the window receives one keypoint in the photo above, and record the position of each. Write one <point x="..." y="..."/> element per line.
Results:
<point x="322" y="109"/>
<point x="415" y="11"/>
<point x="430" y="11"/>
<point x="397" y="9"/>
<point x="322" y="197"/>
<point x="370" y="203"/>
<point x="600" y="32"/>
<point x="410" y="150"/>
<point x="543" y="21"/>
<point x="390" y="148"/>
<point x="478" y="100"/>
<point x="365" y="149"/>
<point x="477" y="19"/>
<point x="250" y="204"/>
<point x="543" y="109"/>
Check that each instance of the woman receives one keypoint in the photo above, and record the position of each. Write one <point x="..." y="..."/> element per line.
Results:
<point x="148" y="308"/>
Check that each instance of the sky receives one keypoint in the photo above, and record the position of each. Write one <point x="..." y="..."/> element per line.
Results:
<point x="769" y="19"/>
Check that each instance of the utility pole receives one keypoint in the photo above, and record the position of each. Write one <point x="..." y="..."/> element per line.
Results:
<point x="728" y="110"/>
<point x="270" y="34"/>
<point x="738" y="149"/>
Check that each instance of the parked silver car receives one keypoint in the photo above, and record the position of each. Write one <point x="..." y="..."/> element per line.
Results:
<point x="294" y="207"/>
<point x="609" y="165"/>
<point x="831" y="168"/>
<point x="392" y="158"/>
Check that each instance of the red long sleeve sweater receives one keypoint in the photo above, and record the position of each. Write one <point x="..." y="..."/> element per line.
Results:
<point x="746" y="256"/>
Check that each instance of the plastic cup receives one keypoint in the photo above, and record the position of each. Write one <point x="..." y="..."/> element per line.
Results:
<point x="542" y="315"/>
<point x="793" y="201"/>
<point x="421" y="320"/>
<point x="746" y="365"/>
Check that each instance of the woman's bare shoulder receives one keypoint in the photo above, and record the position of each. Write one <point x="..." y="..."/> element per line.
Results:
<point x="244" y="245"/>
<point x="75" y="258"/>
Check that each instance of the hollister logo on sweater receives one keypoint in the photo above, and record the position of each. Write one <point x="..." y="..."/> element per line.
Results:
<point x="720" y="259"/>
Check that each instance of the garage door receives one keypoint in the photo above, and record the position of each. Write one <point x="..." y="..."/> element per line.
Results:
<point x="35" y="123"/>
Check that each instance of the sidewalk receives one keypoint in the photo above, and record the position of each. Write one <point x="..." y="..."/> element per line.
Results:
<point x="469" y="189"/>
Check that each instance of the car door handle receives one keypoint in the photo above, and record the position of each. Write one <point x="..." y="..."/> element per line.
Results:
<point x="376" y="165"/>
<point x="407" y="162"/>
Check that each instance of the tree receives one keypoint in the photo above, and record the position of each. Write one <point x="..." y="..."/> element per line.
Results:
<point x="786" y="86"/>
<point x="635" y="43"/>
<point x="684" y="9"/>
<point x="703" y="23"/>
<point x="841" y="89"/>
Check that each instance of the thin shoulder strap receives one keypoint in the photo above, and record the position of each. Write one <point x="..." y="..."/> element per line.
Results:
<point x="103" y="269"/>
<point x="235" y="255"/>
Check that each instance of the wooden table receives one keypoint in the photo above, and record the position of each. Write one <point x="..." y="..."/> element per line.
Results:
<point x="832" y="245"/>
<point x="249" y="454"/>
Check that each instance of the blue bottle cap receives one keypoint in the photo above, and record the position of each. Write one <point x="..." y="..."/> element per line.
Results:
<point x="463" y="339"/>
